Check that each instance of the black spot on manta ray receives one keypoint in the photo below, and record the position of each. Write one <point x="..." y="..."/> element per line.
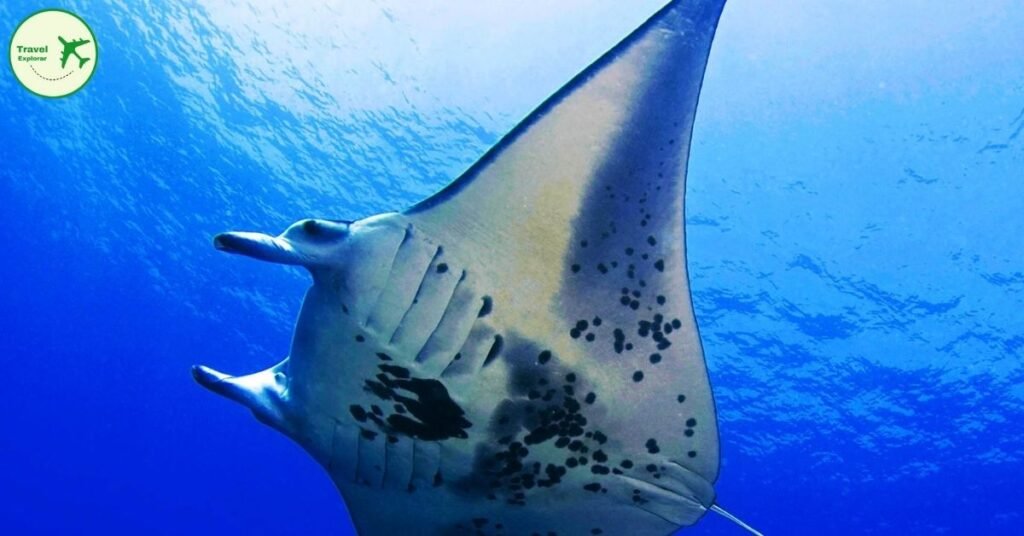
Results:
<point x="652" y="446"/>
<point x="433" y="415"/>
<point x="398" y="372"/>
<point x="496" y="347"/>
<point x="638" y="497"/>
<point x="485" y="307"/>
<point x="619" y="343"/>
<point x="542" y="409"/>
<point x="442" y="268"/>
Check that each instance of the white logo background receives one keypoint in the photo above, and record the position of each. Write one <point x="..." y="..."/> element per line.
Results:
<point x="41" y="72"/>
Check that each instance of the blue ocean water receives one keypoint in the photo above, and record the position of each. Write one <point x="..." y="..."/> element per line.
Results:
<point x="855" y="219"/>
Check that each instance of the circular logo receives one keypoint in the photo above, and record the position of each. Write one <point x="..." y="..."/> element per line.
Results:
<point x="53" y="53"/>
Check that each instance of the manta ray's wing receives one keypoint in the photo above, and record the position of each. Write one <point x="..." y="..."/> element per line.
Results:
<point x="578" y="213"/>
<point x="517" y="354"/>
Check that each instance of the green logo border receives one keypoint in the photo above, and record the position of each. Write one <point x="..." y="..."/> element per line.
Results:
<point x="96" y="45"/>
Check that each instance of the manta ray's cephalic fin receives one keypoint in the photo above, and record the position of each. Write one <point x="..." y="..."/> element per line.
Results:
<point x="261" y="392"/>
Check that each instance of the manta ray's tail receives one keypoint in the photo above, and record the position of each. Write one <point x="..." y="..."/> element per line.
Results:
<point x="721" y="511"/>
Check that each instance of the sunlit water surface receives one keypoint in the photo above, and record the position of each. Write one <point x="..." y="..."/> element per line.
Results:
<point x="855" y="222"/>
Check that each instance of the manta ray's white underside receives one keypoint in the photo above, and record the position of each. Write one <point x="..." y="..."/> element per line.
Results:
<point x="518" y="353"/>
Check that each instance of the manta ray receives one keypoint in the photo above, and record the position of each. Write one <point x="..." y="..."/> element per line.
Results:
<point x="516" y="354"/>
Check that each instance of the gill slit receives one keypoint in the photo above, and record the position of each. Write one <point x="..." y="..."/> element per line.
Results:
<point x="415" y="299"/>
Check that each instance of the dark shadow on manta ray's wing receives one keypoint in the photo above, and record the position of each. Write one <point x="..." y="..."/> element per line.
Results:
<point x="632" y="222"/>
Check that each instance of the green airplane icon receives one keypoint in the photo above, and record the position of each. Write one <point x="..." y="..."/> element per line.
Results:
<point x="69" y="49"/>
